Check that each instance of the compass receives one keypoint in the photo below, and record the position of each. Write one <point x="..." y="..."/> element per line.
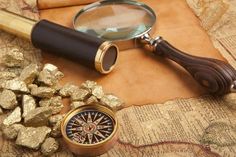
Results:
<point x="90" y="130"/>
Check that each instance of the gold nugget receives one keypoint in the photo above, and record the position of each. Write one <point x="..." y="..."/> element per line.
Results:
<point x="8" y="99"/>
<point x="97" y="91"/>
<point x="29" y="73"/>
<point x="5" y="75"/>
<point x="14" y="117"/>
<point x="11" y="132"/>
<point x="76" y="104"/>
<point x="55" y="103"/>
<point x="112" y="101"/>
<point x="88" y="85"/>
<point x="91" y="99"/>
<point x="32" y="137"/>
<point x="15" y="85"/>
<point x="67" y="90"/>
<point x="50" y="75"/>
<point x="56" y="130"/>
<point x="14" y="58"/>
<point x="49" y="146"/>
<point x="28" y="104"/>
<point x="80" y="95"/>
<point x="42" y="92"/>
<point x="55" y="118"/>
<point x="38" y="116"/>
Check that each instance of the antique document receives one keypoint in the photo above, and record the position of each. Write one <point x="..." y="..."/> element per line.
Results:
<point x="217" y="17"/>
<point x="196" y="127"/>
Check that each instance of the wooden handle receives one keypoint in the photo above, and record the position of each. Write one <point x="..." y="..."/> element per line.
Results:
<point x="215" y="75"/>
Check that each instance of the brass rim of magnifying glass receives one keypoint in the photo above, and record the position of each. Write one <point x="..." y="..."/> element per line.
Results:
<point x="126" y="43"/>
<point x="90" y="149"/>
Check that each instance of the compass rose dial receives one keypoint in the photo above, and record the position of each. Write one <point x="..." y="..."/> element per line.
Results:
<point x="89" y="127"/>
<point x="90" y="130"/>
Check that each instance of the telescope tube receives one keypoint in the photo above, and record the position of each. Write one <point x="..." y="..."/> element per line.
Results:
<point x="59" y="40"/>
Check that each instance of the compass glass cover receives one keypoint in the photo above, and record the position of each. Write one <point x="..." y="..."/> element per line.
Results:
<point x="90" y="127"/>
<point x="115" y="20"/>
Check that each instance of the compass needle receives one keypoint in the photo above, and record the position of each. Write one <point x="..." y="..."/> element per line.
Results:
<point x="89" y="120"/>
<point x="96" y="139"/>
<point x="95" y="116"/>
<point x="103" y="126"/>
<point x="105" y="122"/>
<point x="98" y="120"/>
<point x="105" y="131"/>
<point x="83" y="117"/>
<point x="81" y="122"/>
<point x="90" y="137"/>
<point x="99" y="134"/>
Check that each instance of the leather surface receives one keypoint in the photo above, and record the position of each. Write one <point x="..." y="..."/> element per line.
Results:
<point x="139" y="77"/>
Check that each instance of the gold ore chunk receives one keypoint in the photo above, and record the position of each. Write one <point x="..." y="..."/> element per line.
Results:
<point x="91" y="99"/>
<point x="11" y="132"/>
<point x="88" y="85"/>
<point x="76" y="104"/>
<point x="5" y="75"/>
<point x="42" y="92"/>
<point x="50" y="75"/>
<point x="29" y="73"/>
<point x="79" y="95"/>
<point x="55" y="103"/>
<point x="97" y="92"/>
<point x="32" y="137"/>
<point x="49" y="146"/>
<point x="112" y="101"/>
<point x="38" y="116"/>
<point x="28" y="104"/>
<point x="55" y="118"/>
<point x="67" y="90"/>
<point x="14" y="58"/>
<point x="15" y="85"/>
<point x="8" y="99"/>
<point x="14" y="117"/>
<point x="56" y="130"/>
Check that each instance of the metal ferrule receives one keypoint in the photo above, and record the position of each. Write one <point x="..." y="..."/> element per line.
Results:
<point x="150" y="43"/>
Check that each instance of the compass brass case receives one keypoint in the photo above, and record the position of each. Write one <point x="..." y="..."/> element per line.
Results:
<point x="93" y="148"/>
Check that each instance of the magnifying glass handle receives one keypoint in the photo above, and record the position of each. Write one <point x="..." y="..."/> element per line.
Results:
<point x="215" y="75"/>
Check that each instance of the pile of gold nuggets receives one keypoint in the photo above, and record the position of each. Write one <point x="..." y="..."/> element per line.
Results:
<point x="33" y="101"/>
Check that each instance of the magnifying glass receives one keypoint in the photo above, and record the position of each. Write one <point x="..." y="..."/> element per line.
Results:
<point x="128" y="23"/>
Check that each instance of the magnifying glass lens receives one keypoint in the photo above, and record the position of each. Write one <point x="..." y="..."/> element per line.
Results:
<point x="111" y="21"/>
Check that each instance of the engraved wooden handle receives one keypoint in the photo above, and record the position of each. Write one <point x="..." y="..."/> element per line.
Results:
<point x="215" y="75"/>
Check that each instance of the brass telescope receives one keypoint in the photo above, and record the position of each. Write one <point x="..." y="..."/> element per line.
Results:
<point x="50" y="37"/>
